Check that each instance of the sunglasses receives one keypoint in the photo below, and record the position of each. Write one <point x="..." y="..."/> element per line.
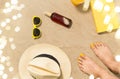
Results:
<point x="36" y="23"/>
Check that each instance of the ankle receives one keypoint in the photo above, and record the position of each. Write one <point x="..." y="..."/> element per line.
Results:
<point x="115" y="67"/>
<point x="101" y="73"/>
<point x="118" y="67"/>
<point x="106" y="75"/>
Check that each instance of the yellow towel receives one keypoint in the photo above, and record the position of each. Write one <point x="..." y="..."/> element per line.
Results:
<point x="104" y="15"/>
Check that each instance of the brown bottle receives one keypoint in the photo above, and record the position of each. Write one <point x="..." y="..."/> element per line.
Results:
<point x="62" y="20"/>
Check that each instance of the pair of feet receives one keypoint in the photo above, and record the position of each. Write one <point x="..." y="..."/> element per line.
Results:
<point x="103" y="52"/>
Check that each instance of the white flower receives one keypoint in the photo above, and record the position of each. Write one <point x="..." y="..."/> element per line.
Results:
<point x="91" y="76"/>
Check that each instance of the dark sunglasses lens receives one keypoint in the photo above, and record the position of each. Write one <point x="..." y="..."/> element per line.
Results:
<point x="36" y="32"/>
<point x="36" y="20"/>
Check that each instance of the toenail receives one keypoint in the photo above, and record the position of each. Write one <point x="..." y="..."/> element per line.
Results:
<point x="82" y="55"/>
<point x="97" y="43"/>
<point x="92" y="45"/>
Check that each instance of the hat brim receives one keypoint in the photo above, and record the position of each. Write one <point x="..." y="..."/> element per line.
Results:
<point x="38" y="49"/>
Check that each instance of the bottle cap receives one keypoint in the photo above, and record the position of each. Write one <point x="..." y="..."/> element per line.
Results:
<point x="86" y="5"/>
<point x="47" y="14"/>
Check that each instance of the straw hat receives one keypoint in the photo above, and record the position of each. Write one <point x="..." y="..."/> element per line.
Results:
<point x="44" y="61"/>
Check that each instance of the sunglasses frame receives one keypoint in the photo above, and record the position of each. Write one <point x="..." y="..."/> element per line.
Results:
<point x="35" y="26"/>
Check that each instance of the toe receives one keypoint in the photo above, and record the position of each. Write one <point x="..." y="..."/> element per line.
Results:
<point x="81" y="67"/>
<point x="80" y="64"/>
<point x="92" y="46"/>
<point x="97" y="44"/>
<point x="100" y="43"/>
<point x="81" y="59"/>
<point x="103" y="44"/>
<point x="82" y="55"/>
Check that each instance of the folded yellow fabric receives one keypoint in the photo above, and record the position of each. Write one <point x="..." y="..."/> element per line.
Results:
<point x="104" y="15"/>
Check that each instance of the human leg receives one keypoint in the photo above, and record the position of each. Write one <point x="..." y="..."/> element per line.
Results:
<point x="90" y="67"/>
<point x="104" y="53"/>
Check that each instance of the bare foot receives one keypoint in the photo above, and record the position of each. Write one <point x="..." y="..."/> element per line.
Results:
<point x="104" y="53"/>
<point x="90" y="67"/>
